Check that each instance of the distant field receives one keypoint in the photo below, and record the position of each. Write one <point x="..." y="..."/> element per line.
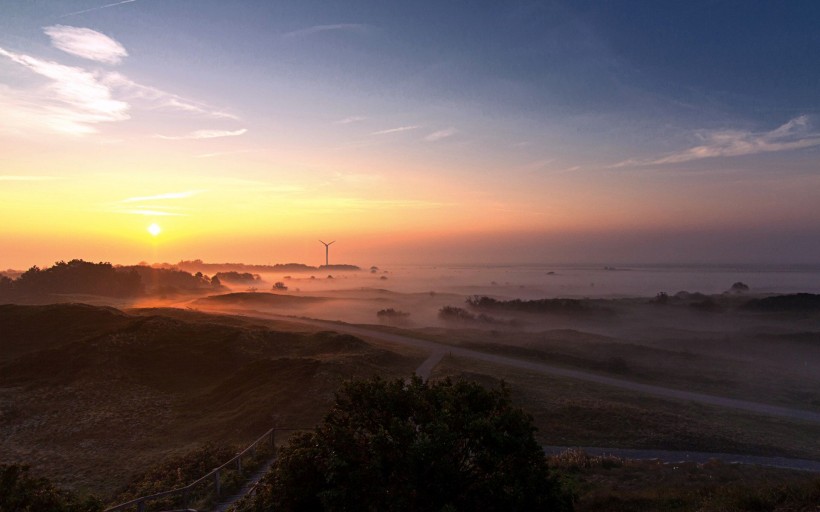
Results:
<point x="573" y="413"/>
<point x="770" y="368"/>
<point x="91" y="396"/>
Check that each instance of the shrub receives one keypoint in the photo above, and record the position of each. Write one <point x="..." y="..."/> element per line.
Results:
<point x="20" y="492"/>
<point x="409" y="445"/>
<point x="454" y="313"/>
<point x="391" y="314"/>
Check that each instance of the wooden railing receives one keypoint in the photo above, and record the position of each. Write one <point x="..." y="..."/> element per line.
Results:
<point x="187" y="492"/>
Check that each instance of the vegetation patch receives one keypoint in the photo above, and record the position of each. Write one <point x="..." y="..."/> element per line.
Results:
<point x="408" y="445"/>
<point x="257" y="299"/>
<point x="606" y="484"/>
<point x="793" y="303"/>
<point x="21" y="492"/>
<point x="551" y="306"/>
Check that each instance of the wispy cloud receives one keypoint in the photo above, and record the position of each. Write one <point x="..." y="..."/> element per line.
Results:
<point x="73" y="101"/>
<point x="106" y="6"/>
<point x="141" y="205"/>
<point x="205" y="134"/>
<point x="396" y="130"/>
<point x="795" y="134"/>
<point x="537" y="165"/>
<point x="159" y="99"/>
<point x="441" y="134"/>
<point x="28" y="178"/>
<point x="316" y="29"/>
<point x="86" y="43"/>
<point x="349" y="120"/>
<point x="160" y="197"/>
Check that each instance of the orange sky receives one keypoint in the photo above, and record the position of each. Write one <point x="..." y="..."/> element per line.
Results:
<point x="548" y="137"/>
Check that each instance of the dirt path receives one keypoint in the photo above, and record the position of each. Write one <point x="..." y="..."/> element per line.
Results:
<point x="426" y="369"/>
<point x="438" y="350"/>
<point x="254" y="479"/>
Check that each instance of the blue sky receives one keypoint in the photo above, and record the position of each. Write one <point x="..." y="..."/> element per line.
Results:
<point x="675" y="125"/>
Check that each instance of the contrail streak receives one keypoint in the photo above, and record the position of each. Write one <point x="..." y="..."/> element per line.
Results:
<point x="98" y="8"/>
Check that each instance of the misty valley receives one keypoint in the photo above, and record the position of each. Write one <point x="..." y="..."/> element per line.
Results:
<point x="553" y="255"/>
<point x="120" y="381"/>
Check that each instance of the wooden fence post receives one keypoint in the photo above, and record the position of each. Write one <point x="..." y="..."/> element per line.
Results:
<point x="216" y="482"/>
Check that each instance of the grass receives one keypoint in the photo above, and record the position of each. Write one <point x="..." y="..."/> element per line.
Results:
<point x="94" y="397"/>
<point x="91" y="408"/>
<point x="574" y="413"/>
<point x="609" y="484"/>
<point x="179" y="471"/>
<point x="742" y="366"/>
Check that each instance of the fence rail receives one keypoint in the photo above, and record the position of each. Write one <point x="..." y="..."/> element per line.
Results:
<point x="213" y="475"/>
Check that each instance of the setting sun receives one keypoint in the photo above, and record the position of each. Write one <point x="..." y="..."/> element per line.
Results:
<point x="154" y="229"/>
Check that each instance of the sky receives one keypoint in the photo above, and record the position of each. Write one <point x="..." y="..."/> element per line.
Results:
<point x="410" y="132"/>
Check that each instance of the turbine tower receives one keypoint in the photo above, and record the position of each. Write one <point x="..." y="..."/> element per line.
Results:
<point x="327" y="250"/>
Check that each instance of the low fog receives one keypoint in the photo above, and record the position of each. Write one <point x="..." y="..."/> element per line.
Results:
<point x="578" y="346"/>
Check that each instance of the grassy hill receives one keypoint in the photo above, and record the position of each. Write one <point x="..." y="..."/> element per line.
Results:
<point x="90" y="396"/>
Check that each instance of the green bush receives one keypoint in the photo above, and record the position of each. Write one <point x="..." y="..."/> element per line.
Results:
<point x="402" y="446"/>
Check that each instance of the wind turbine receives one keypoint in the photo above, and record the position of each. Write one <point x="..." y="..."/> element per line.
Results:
<point x="327" y="250"/>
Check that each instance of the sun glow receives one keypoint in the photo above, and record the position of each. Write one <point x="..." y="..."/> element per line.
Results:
<point x="154" y="229"/>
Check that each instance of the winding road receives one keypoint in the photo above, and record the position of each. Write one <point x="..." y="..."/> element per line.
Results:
<point x="438" y="350"/>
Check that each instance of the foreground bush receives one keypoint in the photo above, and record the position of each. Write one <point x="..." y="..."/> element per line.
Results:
<point x="399" y="446"/>
<point x="20" y="492"/>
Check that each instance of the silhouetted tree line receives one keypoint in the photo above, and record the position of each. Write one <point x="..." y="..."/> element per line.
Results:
<point x="454" y="314"/>
<point x="391" y="313"/>
<point x="170" y="280"/>
<point x="530" y="306"/>
<point x="104" y="279"/>
<point x="199" y="265"/>
<point x="793" y="303"/>
<point x="239" y="278"/>
<point x="77" y="276"/>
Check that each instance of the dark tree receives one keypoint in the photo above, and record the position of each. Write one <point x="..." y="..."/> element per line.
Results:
<point x="78" y="276"/>
<point x="239" y="277"/>
<point x="408" y="446"/>
<point x="455" y="314"/>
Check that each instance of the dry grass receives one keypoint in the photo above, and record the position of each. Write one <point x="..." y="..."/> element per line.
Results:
<point x="776" y="369"/>
<point x="90" y="403"/>
<point x="574" y="413"/>
<point x="607" y="484"/>
<point x="92" y="397"/>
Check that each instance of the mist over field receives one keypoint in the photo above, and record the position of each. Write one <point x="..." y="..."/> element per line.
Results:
<point x="311" y="255"/>
<point x="103" y="362"/>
